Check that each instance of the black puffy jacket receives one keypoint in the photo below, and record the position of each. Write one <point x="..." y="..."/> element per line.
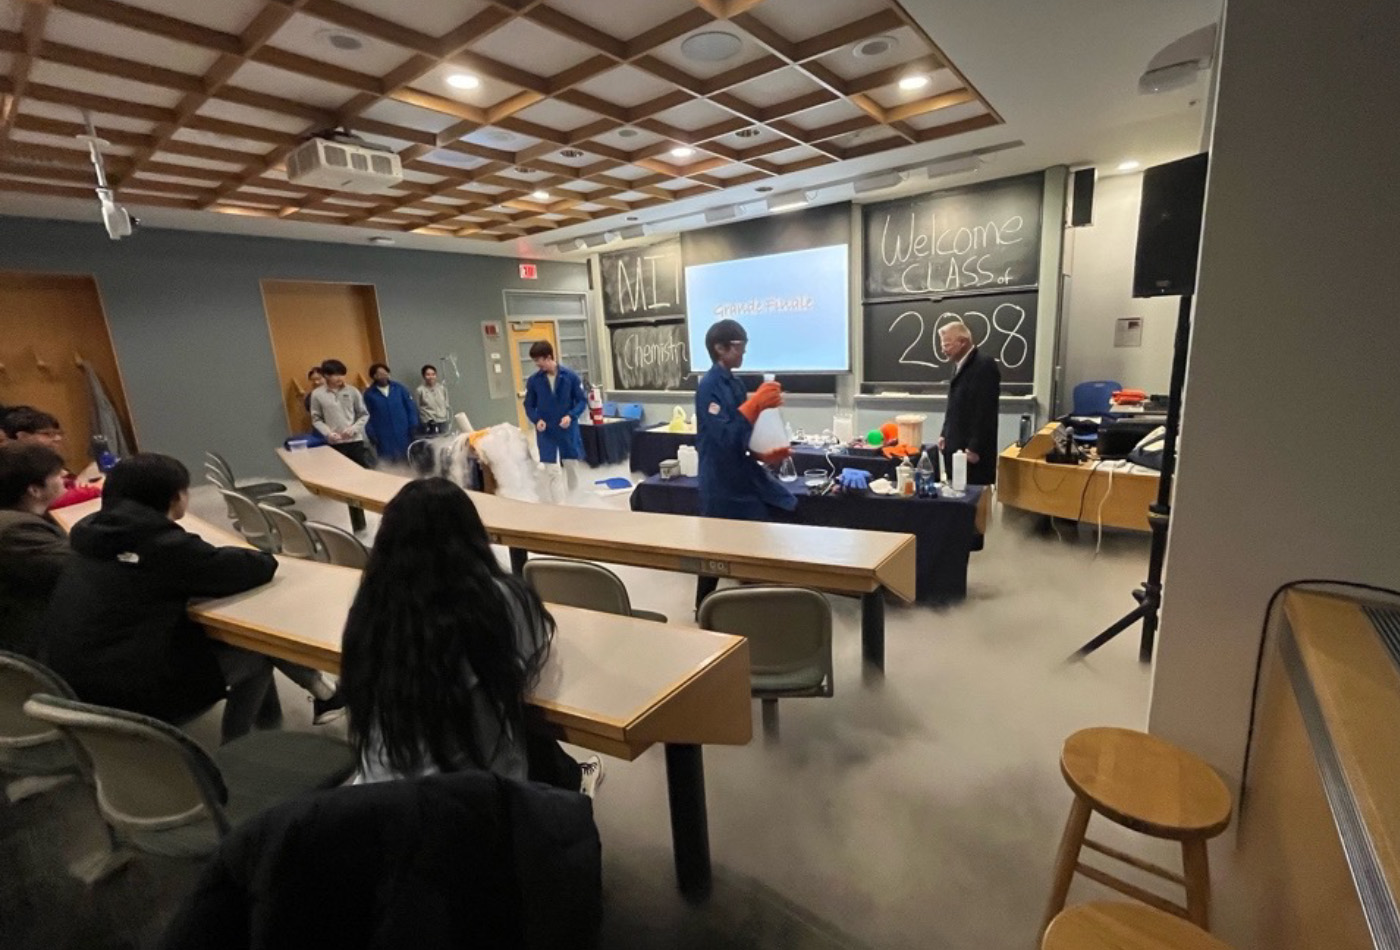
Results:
<point x="117" y="628"/>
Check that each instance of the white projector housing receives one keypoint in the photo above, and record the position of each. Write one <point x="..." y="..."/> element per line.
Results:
<point x="319" y="163"/>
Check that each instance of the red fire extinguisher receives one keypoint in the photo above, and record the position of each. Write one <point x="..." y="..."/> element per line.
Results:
<point x="595" y="405"/>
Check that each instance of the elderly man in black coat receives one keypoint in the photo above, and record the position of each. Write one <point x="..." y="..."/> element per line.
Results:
<point x="971" y="420"/>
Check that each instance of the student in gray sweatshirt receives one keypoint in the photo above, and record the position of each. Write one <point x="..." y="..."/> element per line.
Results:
<point x="433" y="410"/>
<point x="338" y="413"/>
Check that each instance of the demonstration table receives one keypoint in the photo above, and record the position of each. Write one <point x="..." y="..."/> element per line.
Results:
<point x="651" y="447"/>
<point x="946" y="529"/>
<point x="608" y="443"/>
<point x="616" y="685"/>
<point x="858" y="563"/>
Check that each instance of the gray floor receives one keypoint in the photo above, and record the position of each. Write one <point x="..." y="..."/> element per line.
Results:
<point x="918" y="811"/>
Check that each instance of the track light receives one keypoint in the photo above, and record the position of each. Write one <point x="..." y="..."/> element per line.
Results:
<point x="787" y="202"/>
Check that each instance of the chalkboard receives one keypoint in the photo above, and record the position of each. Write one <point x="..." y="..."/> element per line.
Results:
<point x="643" y="282"/>
<point x="981" y="238"/>
<point x="901" y="337"/>
<point x="651" y="356"/>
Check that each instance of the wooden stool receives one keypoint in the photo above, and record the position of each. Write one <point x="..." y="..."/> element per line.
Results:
<point x="1151" y="786"/>
<point x="1104" y="925"/>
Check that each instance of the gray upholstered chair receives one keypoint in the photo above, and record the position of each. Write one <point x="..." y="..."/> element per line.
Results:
<point x="583" y="584"/>
<point x="789" y="634"/>
<point x="341" y="546"/>
<point x="293" y="537"/>
<point x="35" y="754"/>
<point x="254" y="489"/>
<point x="251" y="521"/>
<point x="161" y="793"/>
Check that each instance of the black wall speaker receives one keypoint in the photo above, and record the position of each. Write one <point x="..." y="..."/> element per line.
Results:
<point x="1081" y="209"/>
<point x="1169" y="228"/>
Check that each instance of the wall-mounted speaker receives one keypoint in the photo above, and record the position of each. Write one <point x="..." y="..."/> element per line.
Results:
<point x="1169" y="228"/>
<point x="1081" y="209"/>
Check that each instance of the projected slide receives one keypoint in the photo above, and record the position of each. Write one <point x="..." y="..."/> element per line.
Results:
<point x="794" y="306"/>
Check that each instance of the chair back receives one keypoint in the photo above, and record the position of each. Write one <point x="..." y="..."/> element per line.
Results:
<point x="610" y="409"/>
<point x="216" y="477"/>
<point x="219" y="462"/>
<point x="1094" y="398"/>
<point x="148" y="775"/>
<point x="631" y="410"/>
<point x="252" y="523"/>
<point x="578" y="584"/>
<point x="341" y="546"/>
<point x="21" y="678"/>
<point x="292" y="537"/>
<point x="789" y="634"/>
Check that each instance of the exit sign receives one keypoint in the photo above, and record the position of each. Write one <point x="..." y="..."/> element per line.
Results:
<point x="529" y="272"/>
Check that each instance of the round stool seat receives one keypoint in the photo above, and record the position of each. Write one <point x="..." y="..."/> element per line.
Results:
<point x="1107" y="925"/>
<point x="1146" y="784"/>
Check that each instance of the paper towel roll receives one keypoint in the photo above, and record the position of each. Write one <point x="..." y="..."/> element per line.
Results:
<point x="462" y="423"/>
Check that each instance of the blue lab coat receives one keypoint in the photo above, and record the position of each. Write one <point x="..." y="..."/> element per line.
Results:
<point x="392" y="419"/>
<point x="552" y="405"/>
<point x="733" y="484"/>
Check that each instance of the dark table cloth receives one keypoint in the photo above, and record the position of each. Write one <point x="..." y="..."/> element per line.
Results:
<point x="609" y="443"/>
<point x="651" y="447"/>
<point x="945" y="528"/>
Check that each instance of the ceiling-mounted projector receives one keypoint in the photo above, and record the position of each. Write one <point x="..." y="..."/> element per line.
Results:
<point x="1178" y="63"/>
<point x="339" y="161"/>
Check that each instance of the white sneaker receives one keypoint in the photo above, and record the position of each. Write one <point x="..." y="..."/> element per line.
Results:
<point x="592" y="768"/>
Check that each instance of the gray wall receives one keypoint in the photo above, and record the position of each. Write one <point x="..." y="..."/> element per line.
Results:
<point x="187" y="320"/>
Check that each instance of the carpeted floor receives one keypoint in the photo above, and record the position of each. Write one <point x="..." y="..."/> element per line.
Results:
<point x="922" y="810"/>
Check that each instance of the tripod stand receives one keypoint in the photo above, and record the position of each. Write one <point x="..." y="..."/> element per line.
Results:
<point x="1149" y="595"/>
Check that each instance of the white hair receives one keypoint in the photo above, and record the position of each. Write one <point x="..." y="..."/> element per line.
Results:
<point x="957" y="329"/>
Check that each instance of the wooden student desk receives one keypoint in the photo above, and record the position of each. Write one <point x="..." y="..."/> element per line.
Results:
<point x="1075" y="492"/>
<point x="839" y="560"/>
<point x="612" y="684"/>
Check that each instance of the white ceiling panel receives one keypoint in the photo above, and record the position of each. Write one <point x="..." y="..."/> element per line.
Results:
<point x="277" y="82"/>
<point x="311" y="37"/>
<point x="548" y="52"/>
<point x="103" y="37"/>
<point x="623" y="18"/>
<point x="802" y="19"/>
<point x="102" y="120"/>
<point x="673" y="54"/>
<point x="909" y="45"/>
<point x="626" y="86"/>
<point x="197" y="162"/>
<point x="487" y="93"/>
<point x="413" y="117"/>
<point x="696" y="114"/>
<point x="230" y="16"/>
<point x="434" y="18"/>
<point x="832" y="112"/>
<point x="968" y="110"/>
<point x="557" y="115"/>
<point x="776" y="87"/>
<point x="217" y="140"/>
<point x="616" y="139"/>
<point x="233" y="112"/>
<point x="59" y="141"/>
<point x="113" y="87"/>
<point x="500" y="139"/>
<point x="940" y="82"/>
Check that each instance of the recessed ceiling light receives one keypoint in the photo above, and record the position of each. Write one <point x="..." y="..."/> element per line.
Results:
<point x="682" y="151"/>
<point x="463" y="81"/>
<point x="1128" y="166"/>
<point x="747" y="133"/>
<point x="712" y="46"/>
<point x="763" y="189"/>
<point x="627" y="133"/>
<point x="524" y="170"/>
<point x="910" y="83"/>
<point x="540" y="195"/>
<point x="381" y="240"/>
<point x="498" y="136"/>
<point x="340" y="40"/>
<point x="875" y="46"/>
<point x="571" y="153"/>
<point x="631" y="217"/>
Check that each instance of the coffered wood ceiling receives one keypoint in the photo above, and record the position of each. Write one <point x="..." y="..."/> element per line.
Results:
<point x="582" y="100"/>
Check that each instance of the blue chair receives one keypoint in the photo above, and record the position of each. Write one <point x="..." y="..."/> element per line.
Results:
<point x="1092" y="398"/>
<point x="610" y="410"/>
<point x="631" y="410"/>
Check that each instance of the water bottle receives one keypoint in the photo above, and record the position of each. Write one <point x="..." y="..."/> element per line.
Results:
<point x="959" y="470"/>
<point x="924" y="480"/>
<point x="904" y="477"/>
<point x="1025" y="430"/>
<point x="101" y="453"/>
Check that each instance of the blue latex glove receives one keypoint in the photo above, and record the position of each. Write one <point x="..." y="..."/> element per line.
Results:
<point x="857" y="478"/>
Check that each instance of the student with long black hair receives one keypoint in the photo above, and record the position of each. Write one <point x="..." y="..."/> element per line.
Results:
<point x="440" y="649"/>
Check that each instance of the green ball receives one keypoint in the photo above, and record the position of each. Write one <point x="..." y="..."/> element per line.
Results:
<point x="874" y="437"/>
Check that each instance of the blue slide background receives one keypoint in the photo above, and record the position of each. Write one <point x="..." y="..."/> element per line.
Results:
<point x="815" y="340"/>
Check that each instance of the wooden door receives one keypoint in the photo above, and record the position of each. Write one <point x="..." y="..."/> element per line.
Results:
<point x="50" y="324"/>
<point x="522" y="336"/>
<point x="312" y="321"/>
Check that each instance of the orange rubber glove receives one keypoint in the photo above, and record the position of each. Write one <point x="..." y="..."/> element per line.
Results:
<point x="776" y="456"/>
<point x="767" y="396"/>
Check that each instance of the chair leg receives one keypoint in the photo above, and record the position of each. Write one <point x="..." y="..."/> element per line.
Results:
<point x="770" y="719"/>
<point x="1196" y="863"/>
<point x="1067" y="859"/>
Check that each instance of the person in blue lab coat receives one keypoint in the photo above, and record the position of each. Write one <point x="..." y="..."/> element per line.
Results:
<point x="393" y="415"/>
<point x="732" y="482"/>
<point x="554" y="402"/>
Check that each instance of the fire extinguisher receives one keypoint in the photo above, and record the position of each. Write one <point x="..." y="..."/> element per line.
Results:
<point x="595" y="405"/>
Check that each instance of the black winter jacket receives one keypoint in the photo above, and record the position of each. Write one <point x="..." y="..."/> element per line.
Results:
<point x="117" y="628"/>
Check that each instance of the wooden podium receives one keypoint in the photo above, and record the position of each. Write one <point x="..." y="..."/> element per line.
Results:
<point x="1085" y="492"/>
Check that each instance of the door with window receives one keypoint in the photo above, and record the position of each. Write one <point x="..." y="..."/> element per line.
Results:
<point x="523" y="335"/>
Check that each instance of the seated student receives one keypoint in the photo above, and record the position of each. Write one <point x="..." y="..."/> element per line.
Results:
<point x="27" y="425"/>
<point x="441" y="647"/>
<point x="393" y="415"/>
<point x="33" y="549"/>
<point x="338" y="413"/>
<point x="117" y="628"/>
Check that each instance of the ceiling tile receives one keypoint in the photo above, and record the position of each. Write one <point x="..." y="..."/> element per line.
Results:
<point x="231" y="16"/>
<point x="114" y="40"/>
<point x="60" y="141"/>
<point x="450" y="159"/>
<point x="196" y="162"/>
<point x="233" y="112"/>
<point x="216" y="140"/>
<point x="626" y="86"/>
<point x="630" y="143"/>
<point x="748" y="51"/>
<point x="623" y="19"/>
<point x="557" y="115"/>
<point x="776" y="87"/>
<point x="909" y="46"/>
<point x="113" y="87"/>
<point x="421" y="177"/>
<point x="487" y="93"/>
<point x="434" y="18"/>
<point x="276" y="82"/>
<point x="802" y="19"/>
<point x="944" y="80"/>
<point x="103" y="120"/>
<point x="967" y="110"/>
<point x="549" y="53"/>
<point x="832" y="112"/>
<point x="413" y="117"/>
<point x="308" y="36"/>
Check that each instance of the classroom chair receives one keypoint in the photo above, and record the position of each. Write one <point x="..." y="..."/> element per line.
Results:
<point x="583" y="584"/>
<point x="341" y="546"/>
<point x="250" y="521"/>
<point x="163" y="794"/>
<point x="1153" y="787"/>
<point x="1093" y="398"/>
<point x="610" y="409"/>
<point x="215" y="476"/>
<point x="293" y="537"/>
<point x="789" y="634"/>
<point x="253" y="488"/>
<point x="631" y="410"/>
<point x="35" y="754"/>
<point x="1109" y="925"/>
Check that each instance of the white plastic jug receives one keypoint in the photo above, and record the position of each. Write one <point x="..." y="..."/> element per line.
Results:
<point x="769" y="432"/>
<point x="689" y="457"/>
